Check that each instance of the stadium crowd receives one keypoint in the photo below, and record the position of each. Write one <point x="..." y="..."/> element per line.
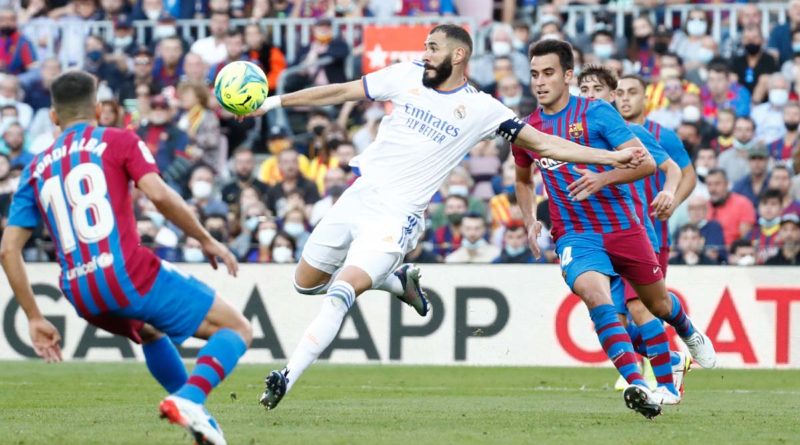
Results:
<point x="261" y="187"/>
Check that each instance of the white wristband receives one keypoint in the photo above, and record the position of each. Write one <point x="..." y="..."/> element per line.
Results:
<point x="271" y="102"/>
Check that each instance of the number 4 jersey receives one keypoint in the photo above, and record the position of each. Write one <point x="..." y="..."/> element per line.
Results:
<point x="80" y="187"/>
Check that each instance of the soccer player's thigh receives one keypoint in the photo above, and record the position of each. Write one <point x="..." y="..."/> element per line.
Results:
<point x="381" y="243"/>
<point x="663" y="260"/>
<point x="124" y="327"/>
<point x="586" y="267"/>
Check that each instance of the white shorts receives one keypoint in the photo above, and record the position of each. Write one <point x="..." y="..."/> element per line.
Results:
<point x="363" y="229"/>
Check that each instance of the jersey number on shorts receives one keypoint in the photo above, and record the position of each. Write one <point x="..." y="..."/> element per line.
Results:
<point x="566" y="256"/>
<point x="85" y="188"/>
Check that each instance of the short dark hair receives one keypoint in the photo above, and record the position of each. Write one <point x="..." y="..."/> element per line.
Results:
<point x="745" y="118"/>
<point x="601" y="73"/>
<point x="771" y="194"/>
<point x="718" y="171"/>
<point x="783" y="167"/>
<point x="552" y="46"/>
<point x="454" y="32"/>
<point x="688" y="228"/>
<point x="637" y="78"/>
<point x="674" y="56"/>
<point x="234" y="32"/>
<point x="73" y="94"/>
<point x="460" y="198"/>
<point x="720" y="66"/>
<point x="602" y="32"/>
<point x="741" y="242"/>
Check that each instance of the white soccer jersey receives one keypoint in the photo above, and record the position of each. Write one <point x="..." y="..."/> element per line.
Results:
<point x="426" y="135"/>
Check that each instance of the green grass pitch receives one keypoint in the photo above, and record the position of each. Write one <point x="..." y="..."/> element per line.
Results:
<point x="89" y="403"/>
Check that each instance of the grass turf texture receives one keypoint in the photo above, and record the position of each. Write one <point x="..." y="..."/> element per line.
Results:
<point x="88" y="403"/>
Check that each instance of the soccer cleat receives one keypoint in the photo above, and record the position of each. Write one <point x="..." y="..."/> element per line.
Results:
<point x="620" y="384"/>
<point x="194" y="418"/>
<point x="275" y="383"/>
<point x="641" y="400"/>
<point x="665" y="396"/>
<point x="702" y="349"/>
<point x="679" y="371"/>
<point x="413" y="296"/>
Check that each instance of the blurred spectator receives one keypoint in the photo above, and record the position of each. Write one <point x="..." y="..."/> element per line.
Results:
<point x="37" y="91"/>
<point x="291" y="180"/>
<point x="191" y="251"/>
<point x="447" y="238"/>
<point x="283" y="248"/>
<point x="711" y="231"/>
<point x="335" y="184"/>
<point x="705" y="161"/>
<point x="783" y="148"/>
<point x="789" y="254"/>
<point x="722" y="92"/>
<point x="735" y="161"/>
<point x="110" y="114"/>
<point x="427" y="7"/>
<point x="501" y="39"/>
<point x="142" y="75"/>
<point x="200" y="125"/>
<point x="11" y="94"/>
<point x="603" y="45"/>
<point x="791" y="67"/>
<point x="212" y="48"/>
<point x="166" y="141"/>
<point x="515" y="246"/>
<point x="266" y="232"/>
<point x="781" y="36"/>
<point x="261" y="51"/>
<point x="690" y="135"/>
<point x="250" y="216"/>
<point x="95" y="63"/>
<point x="123" y="42"/>
<point x="755" y="182"/>
<point x="512" y="95"/>
<point x="474" y="247"/>
<point x="168" y="66"/>
<point x="742" y="253"/>
<point x="151" y="10"/>
<point x="235" y="50"/>
<point x="698" y="74"/>
<point x="324" y="44"/>
<point x="194" y="69"/>
<point x="691" y="247"/>
<point x="749" y="16"/>
<point x="734" y="212"/>
<point x="295" y="224"/>
<point x="217" y="226"/>
<point x="670" y="85"/>
<point x="421" y="255"/>
<point x="765" y="234"/>
<point x="366" y="134"/>
<point x="14" y="144"/>
<point x="755" y="62"/>
<point x="243" y="166"/>
<point x="17" y="53"/>
<point x="686" y="42"/>
<point x="279" y="140"/>
<point x="641" y="48"/>
<point x="780" y="179"/>
<point x="8" y="185"/>
<point x="726" y="119"/>
<point x="201" y="187"/>
<point x="768" y="116"/>
<point x="460" y="182"/>
<point x="345" y="152"/>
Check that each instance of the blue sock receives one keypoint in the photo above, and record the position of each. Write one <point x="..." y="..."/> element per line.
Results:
<point x="658" y="352"/>
<point x="165" y="364"/>
<point x="636" y="338"/>
<point x="215" y="361"/>
<point x="616" y="343"/>
<point x="678" y="319"/>
<point x="674" y="358"/>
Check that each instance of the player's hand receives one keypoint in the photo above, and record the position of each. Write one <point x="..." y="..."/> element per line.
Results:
<point x="213" y="249"/>
<point x="270" y="103"/>
<point x="588" y="184"/>
<point x="45" y="339"/>
<point x="662" y="204"/>
<point x="630" y="157"/>
<point x="533" y="236"/>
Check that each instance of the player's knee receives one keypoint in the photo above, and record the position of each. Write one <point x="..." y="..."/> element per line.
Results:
<point x="244" y="329"/>
<point x="308" y="285"/>
<point x="594" y="298"/>
<point x="638" y="311"/>
<point x="314" y="290"/>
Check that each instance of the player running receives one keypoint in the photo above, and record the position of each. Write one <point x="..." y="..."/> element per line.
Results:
<point x="601" y="233"/>
<point x="646" y="332"/>
<point x="437" y="118"/>
<point x="80" y="188"/>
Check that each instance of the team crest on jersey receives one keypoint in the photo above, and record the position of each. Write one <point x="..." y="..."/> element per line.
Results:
<point x="576" y="130"/>
<point x="460" y="112"/>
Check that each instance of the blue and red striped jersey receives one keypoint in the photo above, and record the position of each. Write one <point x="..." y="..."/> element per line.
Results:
<point x="673" y="145"/>
<point x="596" y="124"/>
<point x="641" y="198"/>
<point x="80" y="189"/>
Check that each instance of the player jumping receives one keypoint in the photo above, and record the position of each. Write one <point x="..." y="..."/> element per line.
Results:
<point x="437" y="118"/>
<point x="653" y="200"/>
<point x="80" y="188"/>
<point x="596" y="233"/>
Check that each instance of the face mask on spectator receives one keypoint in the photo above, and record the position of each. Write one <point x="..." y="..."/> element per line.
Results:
<point x="512" y="101"/>
<point x="791" y="126"/>
<point x="282" y="254"/>
<point x="218" y="234"/>
<point x="704" y="55"/>
<point x="252" y="223"/>
<point x="551" y="36"/>
<point x="201" y="189"/>
<point x="752" y="48"/>
<point x="603" y="51"/>
<point x="701" y="171"/>
<point x="469" y="245"/>
<point x="690" y="114"/>
<point x="318" y="130"/>
<point x="515" y="251"/>
<point x="152" y="14"/>
<point x="778" y="98"/>
<point x="458" y="190"/>
<point x="796" y="47"/>
<point x="455" y="218"/>
<point x="661" y="47"/>
<point x="122" y="42"/>
<point x="94" y="56"/>
<point x="746" y="260"/>
<point x="739" y="145"/>
<point x="156" y="217"/>
<point x="294" y="228"/>
<point x="764" y="222"/>
<point x="501" y="48"/>
<point x="166" y="238"/>
<point x="193" y="255"/>
<point x="266" y="236"/>
<point x="162" y="32"/>
<point x="158" y="119"/>
<point x="696" y="27"/>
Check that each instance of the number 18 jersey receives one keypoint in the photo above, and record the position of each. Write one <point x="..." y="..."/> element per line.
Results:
<point x="80" y="188"/>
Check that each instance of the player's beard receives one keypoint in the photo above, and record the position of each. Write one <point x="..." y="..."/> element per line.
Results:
<point x="443" y="71"/>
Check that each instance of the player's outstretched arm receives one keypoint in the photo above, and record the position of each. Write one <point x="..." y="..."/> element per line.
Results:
<point x="44" y="336"/>
<point x="333" y="94"/>
<point x="590" y="182"/>
<point x="554" y="147"/>
<point x="523" y="188"/>
<point x="685" y="186"/>
<point x="665" y="198"/>
<point x="173" y="207"/>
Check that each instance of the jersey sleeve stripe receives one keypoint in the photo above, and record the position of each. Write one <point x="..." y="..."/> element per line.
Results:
<point x="366" y="88"/>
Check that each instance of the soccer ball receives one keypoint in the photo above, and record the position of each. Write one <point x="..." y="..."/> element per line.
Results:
<point x="241" y="87"/>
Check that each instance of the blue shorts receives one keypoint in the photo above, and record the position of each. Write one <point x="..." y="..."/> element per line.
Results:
<point x="176" y="304"/>
<point x="583" y="252"/>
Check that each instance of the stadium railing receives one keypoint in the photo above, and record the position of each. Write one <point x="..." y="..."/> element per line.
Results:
<point x="722" y="16"/>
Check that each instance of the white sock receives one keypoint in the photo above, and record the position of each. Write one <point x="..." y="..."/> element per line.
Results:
<point x="321" y="332"/>
<point x="391" y="284"/>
